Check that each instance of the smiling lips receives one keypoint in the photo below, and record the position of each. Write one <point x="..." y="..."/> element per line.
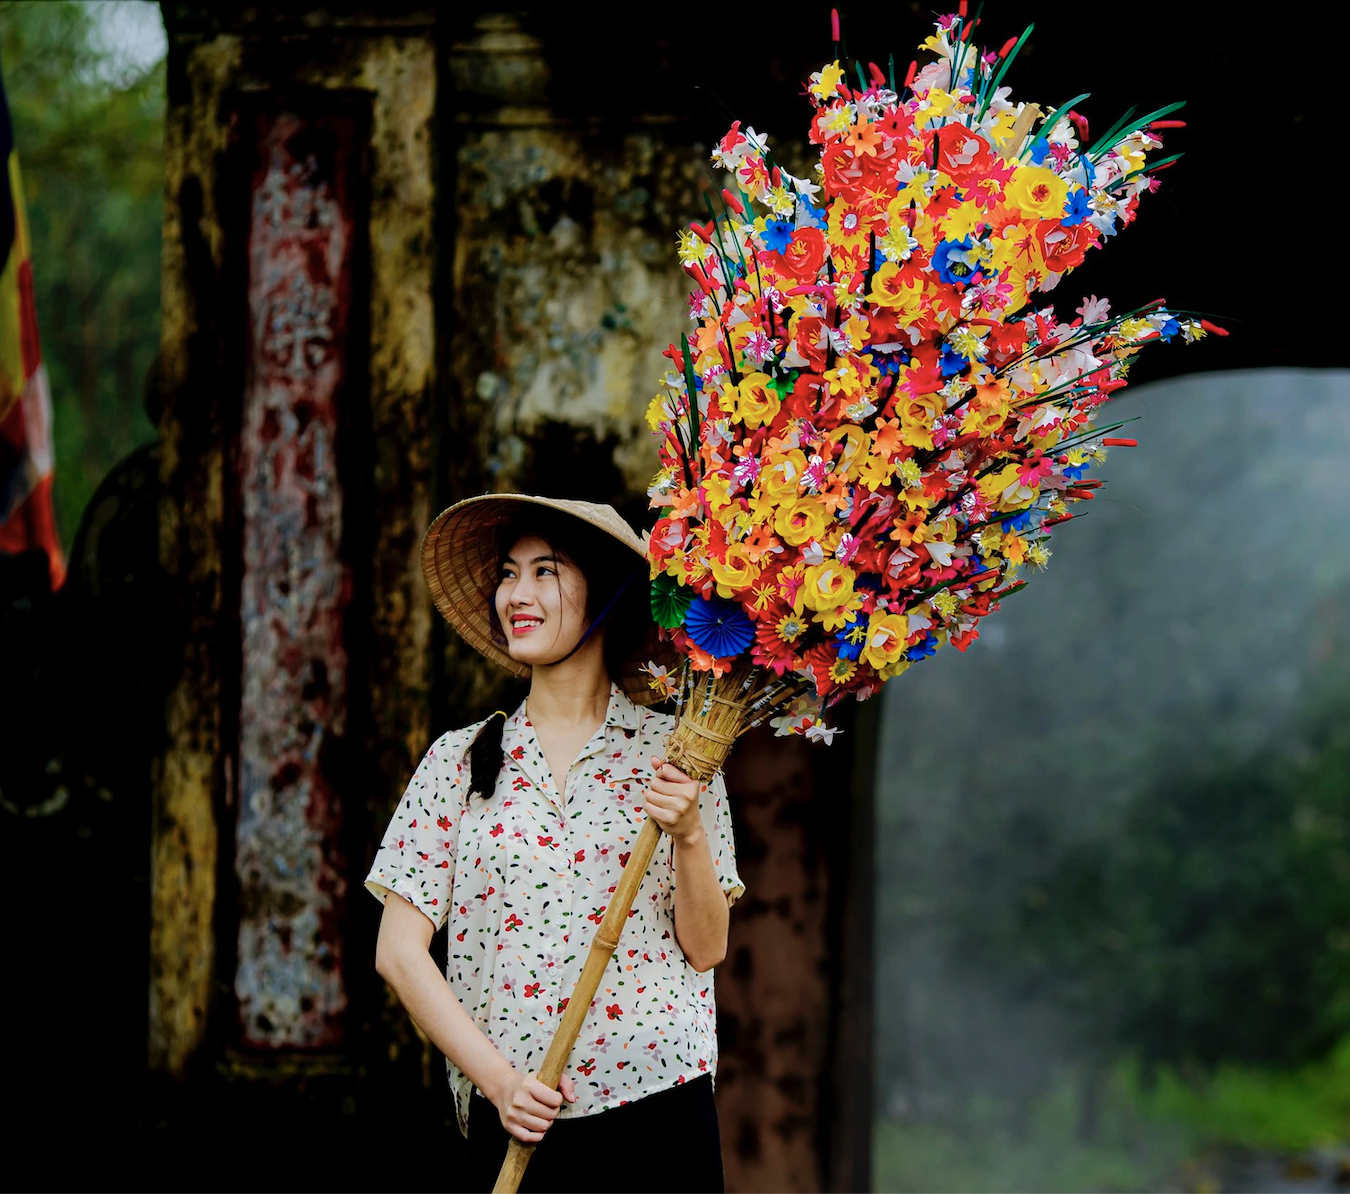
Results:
<point x="523" y="623"/>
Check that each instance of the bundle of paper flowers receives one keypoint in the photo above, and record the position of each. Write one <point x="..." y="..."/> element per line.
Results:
<point x="875" y="423"/>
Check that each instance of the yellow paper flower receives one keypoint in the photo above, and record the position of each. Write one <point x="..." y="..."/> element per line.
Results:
<point x="876" y="471"/>
<point x="946" y="603"/>
<point x="800" y="521"/>
<point x="886" y="637"/>
<point x="693" y="250"/>
<point x="845" y="378"/>
<point x="734" y="573"/>
<point x="827" y="81"/>
<point x="715" y="493"/>
<point x="890" y="289"/>
<point x="899" y="667"/>
<point x="841" y="670"/>
<point x="782" y="477"/>
<point x="756" y="402"/>
<point x="839" y="617"/>
<point x="852" y="443"/>
<point x="1037" y="191"/>
<point x="827" y="586"/>
<point x="987" y="410"/>
<point x="656" y="412"/>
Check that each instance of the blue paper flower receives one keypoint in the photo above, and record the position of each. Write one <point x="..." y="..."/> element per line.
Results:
<point x="810" y="216"/>
<point x="777" y="234"/>
<point x="923" y="649"/>
<point x="951" y="260"/>
<point x="953" y="362"/>
<point x="1076" y="208"/>
<point x="852" y="637"/>
<point x="1019" y="521"/>
<point x="1074" y="471"/>
<point x="718" y="626"/>
<point x="1038" y="150"/>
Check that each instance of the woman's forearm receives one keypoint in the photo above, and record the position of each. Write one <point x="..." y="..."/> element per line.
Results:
<point x="701" y="910"/>
<point x="405" y="964"/>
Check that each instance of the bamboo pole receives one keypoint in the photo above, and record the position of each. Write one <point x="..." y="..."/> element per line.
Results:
<point x="603" y="945"/>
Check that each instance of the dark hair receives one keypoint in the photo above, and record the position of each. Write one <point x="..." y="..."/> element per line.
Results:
<point x="617" y="605"/>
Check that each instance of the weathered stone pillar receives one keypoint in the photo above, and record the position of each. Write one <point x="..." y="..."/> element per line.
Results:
<point x="298" y="374"/>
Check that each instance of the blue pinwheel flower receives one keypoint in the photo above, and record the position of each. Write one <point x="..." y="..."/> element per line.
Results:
<point x="718" y="626"/>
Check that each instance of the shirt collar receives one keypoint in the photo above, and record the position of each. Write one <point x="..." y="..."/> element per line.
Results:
<point x="621" y="713"/>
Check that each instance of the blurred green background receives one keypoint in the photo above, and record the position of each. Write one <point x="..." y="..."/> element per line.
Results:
<point x="88" y="113"/>
<point x="1113" y="942"/>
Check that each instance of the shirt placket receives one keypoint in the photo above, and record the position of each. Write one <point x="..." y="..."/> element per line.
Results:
<point x="565" y="873"/>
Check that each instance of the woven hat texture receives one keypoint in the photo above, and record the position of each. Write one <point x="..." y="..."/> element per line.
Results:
<point x="459" y="561"/>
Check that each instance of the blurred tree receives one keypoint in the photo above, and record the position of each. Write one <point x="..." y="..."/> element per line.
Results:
<point x="90" y="142"/>
<point x="1212" y="928"/>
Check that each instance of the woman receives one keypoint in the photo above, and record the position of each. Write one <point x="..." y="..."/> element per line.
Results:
<point x="513" y="833"/>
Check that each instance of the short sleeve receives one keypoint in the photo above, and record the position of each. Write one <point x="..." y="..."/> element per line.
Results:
<point x="416" y="858"/>
<point x="715" y="810"/>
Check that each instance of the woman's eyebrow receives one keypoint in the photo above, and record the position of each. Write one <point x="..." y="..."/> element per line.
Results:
<point x="536" y="560"/>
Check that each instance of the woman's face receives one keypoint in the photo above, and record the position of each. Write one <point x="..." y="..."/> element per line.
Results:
<point x="541" y="602"/>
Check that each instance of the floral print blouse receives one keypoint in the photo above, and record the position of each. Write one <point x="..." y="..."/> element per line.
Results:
<point x="523" y="879"/>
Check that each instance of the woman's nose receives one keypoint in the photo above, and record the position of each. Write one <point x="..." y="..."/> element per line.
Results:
<point x="523" y="591"/>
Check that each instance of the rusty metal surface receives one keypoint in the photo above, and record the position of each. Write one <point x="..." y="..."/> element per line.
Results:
<point x="295" y="589"/>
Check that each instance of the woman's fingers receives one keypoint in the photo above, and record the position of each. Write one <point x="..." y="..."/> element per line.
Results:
<point x="672" y="788"/>
<point x="669" y="770"/>
<point x="542" y="1094"/>
<point x="568" y="1088"/>
<point x="663" y="808"/>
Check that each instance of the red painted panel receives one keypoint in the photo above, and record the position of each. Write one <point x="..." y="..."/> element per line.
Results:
<point x="295" y="586"/>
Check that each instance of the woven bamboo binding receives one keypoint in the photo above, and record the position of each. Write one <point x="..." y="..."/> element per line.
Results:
<point x="715" y="712"/>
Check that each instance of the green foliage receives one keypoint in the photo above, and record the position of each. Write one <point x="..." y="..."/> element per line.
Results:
<point x="1212" y="927"/>
<point x="1154" y="1126"/>
<point x="1047" y="1151"/>
<point x="91" y="154"/>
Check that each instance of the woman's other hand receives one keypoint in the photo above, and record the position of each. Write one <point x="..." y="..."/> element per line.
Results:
<point x="672" y="802"/>
<point x="527" y="1107"/>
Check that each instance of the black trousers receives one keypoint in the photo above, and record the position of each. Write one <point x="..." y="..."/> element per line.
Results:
<point x="667" y="1141"/>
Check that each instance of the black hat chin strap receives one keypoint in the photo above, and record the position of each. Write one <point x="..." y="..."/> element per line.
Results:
<point x="609" y="605"/>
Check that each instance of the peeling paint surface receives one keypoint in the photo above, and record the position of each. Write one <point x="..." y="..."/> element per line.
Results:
<point x="295" y="587"/>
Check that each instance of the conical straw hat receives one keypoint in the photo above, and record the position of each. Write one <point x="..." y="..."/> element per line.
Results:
<point x="459" y="560"/>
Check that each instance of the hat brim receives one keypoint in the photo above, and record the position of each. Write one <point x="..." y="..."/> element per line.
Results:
<point x="459" y="561"/>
